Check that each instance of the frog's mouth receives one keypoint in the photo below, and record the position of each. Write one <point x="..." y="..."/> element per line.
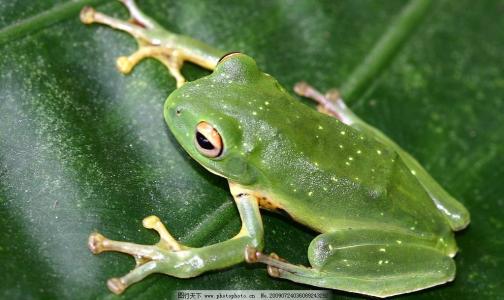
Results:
<point x="213" y="171"/>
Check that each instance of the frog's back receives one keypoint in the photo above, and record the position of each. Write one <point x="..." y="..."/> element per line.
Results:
<point x="330" y="176"/>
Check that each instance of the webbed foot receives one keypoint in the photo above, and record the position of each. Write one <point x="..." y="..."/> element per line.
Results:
<point x="149" y="258"/>
<point x="154" y="41"/>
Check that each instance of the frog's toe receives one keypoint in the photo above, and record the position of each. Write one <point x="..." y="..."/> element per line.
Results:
<point x="273" y="271"/>
<point x="116" y="286"/>
<point x="167" y="241"/>
<point x="124" y="64"/>
<point x="251" y="254"/>
<point x="95" y="242"/>
<point x="151" y="222"/>
<point x="87" y="15"/>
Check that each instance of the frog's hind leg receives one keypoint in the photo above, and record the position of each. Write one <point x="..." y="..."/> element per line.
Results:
<point x="138" y="16"/>
<point x="371" y="262"/>
<point x="330" y="104"/>
<point x="89" y="15"/>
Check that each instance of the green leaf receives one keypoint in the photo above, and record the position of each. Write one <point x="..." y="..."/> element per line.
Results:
<point x="83" y="148"/>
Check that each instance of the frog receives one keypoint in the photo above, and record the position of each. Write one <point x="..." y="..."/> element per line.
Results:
<point x="384" y="226"/>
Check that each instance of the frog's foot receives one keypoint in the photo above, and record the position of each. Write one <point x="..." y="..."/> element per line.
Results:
<point x="149" y="258"/>
<point x="330" y="104"/>
<point x="147" y="33"/>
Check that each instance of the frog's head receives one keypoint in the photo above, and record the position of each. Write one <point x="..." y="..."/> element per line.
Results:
<point x="213" y="118"/>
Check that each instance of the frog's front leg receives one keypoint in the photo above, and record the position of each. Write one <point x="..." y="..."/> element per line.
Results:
<point x="155" y="41"/>
<point x="374" y="262"/>
<point x="174" y="259"/>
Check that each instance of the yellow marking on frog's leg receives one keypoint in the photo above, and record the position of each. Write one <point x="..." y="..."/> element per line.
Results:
<point x="268" y="204"/>
<point x="330" y="104"/>
<point x="264" y="200"/>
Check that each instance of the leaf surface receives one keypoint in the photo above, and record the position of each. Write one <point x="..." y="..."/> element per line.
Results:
<point x="84" y="148"/>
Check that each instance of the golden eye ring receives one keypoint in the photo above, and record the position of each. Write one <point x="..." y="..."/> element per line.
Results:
<point x="208" y="140"/>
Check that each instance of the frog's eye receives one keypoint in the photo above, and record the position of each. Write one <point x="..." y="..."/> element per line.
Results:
<point x="208" y="140"/>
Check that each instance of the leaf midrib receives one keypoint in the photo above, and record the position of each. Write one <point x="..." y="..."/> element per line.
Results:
<point x="44" y="19"/>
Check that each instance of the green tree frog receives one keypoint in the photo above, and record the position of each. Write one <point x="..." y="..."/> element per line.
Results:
<point x="385" y="226"/>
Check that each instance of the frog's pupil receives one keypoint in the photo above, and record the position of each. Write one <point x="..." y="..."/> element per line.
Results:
<point x="204" y="142"/>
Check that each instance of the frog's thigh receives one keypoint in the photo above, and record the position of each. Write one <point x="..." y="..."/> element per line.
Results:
<point x="377" y="263"/>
